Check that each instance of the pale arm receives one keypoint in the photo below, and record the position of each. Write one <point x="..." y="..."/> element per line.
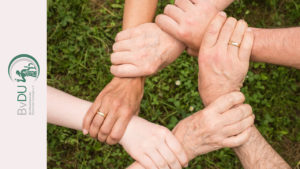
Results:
<point x="137" y="12"/>
<point x="64" y="109"/>
<point x="277" y="46"/>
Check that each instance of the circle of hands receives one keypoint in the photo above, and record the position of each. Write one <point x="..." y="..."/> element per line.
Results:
<point x="226" y="121"/>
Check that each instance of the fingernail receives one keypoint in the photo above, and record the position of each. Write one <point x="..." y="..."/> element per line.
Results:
<point x="249" y="29"/>
<point x="85" y="132"/>
<point x="222" y="13"/>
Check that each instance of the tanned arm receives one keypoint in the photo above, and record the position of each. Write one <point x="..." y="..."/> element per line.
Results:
<point x="277" y="46"/>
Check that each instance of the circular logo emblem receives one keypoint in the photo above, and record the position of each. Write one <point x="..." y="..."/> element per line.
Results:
<point x="23" y="68"/>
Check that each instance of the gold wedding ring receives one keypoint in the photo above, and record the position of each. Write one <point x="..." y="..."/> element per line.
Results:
<point x="234" y="44"/>
<point x="101" y="114"/>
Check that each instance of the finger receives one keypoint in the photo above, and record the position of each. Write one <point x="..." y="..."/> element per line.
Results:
<point x="169" y="157"/>
<point x="236" y="114"/>
<point x="237" y="128"/>
<point x="227" y="31"/>
<point x="193" y="52"/>
<point x="89" y="116"/>
<point x="107" y="126"/>
<point x="177" y="149"/>
<point x="167" y="24"/>
<point x="212" y="32"/>
<point x="237" y="37"/>
<point x="226" y="101"/>
<point x="97" y="122"/>
<point x="120" y="46"/>
<point x="157" y="158"/>
<point x="126" y="70"/>
<point x="174" y="12"/>
<point x="124" y="35"/>
<point x="118" y="58"/>
<point x="238" y="140"/>
<point x="246" y="45"/>
<point x="118" y="130"/>
<point x="195" y="1"/>
<point x="146" y="162"/>
<point x="185" y="5"/>
<point x="135" y="165"/>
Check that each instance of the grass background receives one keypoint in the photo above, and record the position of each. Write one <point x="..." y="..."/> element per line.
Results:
<point x="80" y="36"/>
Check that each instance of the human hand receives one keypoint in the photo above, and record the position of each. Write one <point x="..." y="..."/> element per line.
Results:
<point x="119" y="101"/>
<point x="187" y="21"/>
<point x="223" y="67"/>
<point x="143" y="51"/>
<point x="153" y="146"/>
<point x="226" y="122"/>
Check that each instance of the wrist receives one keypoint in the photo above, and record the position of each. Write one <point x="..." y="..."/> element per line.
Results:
<point x="251" y="149"/>
<point x="208" y="94"/>
<point x="139" y="81"/>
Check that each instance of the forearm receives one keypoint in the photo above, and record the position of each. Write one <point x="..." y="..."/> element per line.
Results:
<point x="137" y="12"/>
<point x="258" y="154"/>
<point x="65" y="110"/>
<point x="277" y="46"/>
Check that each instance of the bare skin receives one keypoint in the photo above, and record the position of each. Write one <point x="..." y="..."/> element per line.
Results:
<point x="120" y="100"/>
<point x="277" y="46"/>
<point x="221" y="124"/>
<point x="256" y="152"/>
<point x="156" y="147"/>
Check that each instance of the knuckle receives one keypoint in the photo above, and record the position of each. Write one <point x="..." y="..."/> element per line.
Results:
<point x="100" y="138"/>
<point x="163" y="131"/>
<point x="230" y="99"/>
<point x="190" y="21"/>
<point x="149" y="69"/>
<point x="126" y="110"/>
<point x="93" y="134"/>
<point x="236" y="96"/>
<point x="240" y="110"/>
<point x="116" y="103"/>
<point x="213" y="29"/>
<point x="172" y="161"/>
<point x="146" y="145"/>
<point x="115" y="136"/>
<point x="104" y="131"/>
<point x="177" y="2"/>
<point x="167" y="9"/>
<point x="183" y="33"/>
<point x="110" y="142"/>
<point x="248" y="109"/>
<point x="95" y="124"/>
<point x="210" y="127"/>
<point x="162" y="164"/>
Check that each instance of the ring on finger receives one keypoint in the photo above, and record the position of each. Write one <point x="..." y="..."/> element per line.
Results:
<point x="101" y="114"/>
<point x="234" y="44"/>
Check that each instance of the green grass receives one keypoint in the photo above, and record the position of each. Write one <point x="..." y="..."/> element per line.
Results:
<point x="80" y="36"/>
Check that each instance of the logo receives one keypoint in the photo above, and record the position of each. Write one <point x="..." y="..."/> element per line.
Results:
<point x="23" y="68"/>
